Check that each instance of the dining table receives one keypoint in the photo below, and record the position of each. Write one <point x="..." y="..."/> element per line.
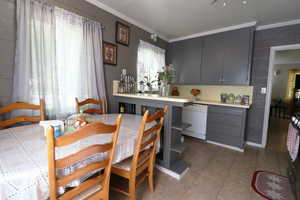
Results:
<point x="23" y="155"/>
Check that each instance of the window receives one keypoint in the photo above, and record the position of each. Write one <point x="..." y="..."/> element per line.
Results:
<point x="150" y="60"/>
<point x="57" y="58"/>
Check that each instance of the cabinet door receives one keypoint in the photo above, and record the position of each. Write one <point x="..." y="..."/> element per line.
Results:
<point x="212" y="60"/>
<point x="186" y="58"/>
<point x="225" y="125"/>
<point x="237" y="56"/>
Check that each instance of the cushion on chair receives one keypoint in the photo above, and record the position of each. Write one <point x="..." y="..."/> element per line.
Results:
<point x="126" y="164"/>
<point x="88" y="192"/>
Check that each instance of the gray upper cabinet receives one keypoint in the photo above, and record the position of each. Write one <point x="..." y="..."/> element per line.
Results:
<point x="186" y="58"/>
<point x="227" y="58"/>
<point x="212" y="60"/>
<point x="218" y="59"/>
<point x="237" y="57"/>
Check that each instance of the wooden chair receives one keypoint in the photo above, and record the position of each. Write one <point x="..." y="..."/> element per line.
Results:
<point x="95" y="187"/>
<point x="144" y="155"/>
<point x="22" y="105"/>
<point x="103" y="104"/>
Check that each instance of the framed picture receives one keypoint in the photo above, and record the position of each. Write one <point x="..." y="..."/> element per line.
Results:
<point x="110" y="53"/>
<point x="122" y="33"/>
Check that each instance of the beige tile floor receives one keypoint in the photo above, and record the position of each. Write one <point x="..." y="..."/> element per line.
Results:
<point x="215" y="174"/>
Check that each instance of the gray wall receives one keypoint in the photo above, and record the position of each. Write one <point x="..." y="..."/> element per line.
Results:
<point x="7" y="48"/>
<point x="265" y="39"/>
<point x="126" y="55"/>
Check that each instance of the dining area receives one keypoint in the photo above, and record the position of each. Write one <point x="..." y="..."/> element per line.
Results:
<point x="74" y="159"/>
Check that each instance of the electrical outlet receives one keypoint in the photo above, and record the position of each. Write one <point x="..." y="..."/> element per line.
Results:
<point x="263" y="90"/>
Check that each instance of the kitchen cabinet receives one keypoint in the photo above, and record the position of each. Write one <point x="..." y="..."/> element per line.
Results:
<point x="227" y="58"/>
<point x="218" y="59"/>
<point x="212" y="64"/>
<point x="226" y="125"/>
<point x="237" y="57"/>
<point x="186" y="57"/>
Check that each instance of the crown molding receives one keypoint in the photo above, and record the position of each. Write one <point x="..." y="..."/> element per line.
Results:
<point x="280" y="24"/>
<point x="126" y="18"/>
<point x="228" y="28"/>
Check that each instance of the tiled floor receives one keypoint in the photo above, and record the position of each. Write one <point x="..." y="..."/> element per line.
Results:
<point x="277" y="134"/>
<point x="215" y="174"/>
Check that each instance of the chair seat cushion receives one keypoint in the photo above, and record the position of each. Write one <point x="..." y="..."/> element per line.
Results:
<point x="125" y="164"/>
<point x="89" y="192"/>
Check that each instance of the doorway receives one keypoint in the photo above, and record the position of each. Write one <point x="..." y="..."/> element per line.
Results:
<point x="284" y="66"/>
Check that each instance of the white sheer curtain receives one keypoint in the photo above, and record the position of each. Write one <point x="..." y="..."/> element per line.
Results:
<point x="58" y="57"/>
<point x="150" y="60"/>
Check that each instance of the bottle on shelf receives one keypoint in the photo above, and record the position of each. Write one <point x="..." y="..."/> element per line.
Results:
<point x="122" y="108"/>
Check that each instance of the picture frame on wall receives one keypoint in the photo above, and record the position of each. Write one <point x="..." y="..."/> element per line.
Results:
<point x="122" y="33"/>
<point x="110" y="53"/>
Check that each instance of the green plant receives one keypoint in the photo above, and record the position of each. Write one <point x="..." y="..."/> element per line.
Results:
<point x="168" y="74"/>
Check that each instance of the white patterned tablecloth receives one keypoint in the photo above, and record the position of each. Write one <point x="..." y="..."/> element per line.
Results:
<point x="23" y="156"/>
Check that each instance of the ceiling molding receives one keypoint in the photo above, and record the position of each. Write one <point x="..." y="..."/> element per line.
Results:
<point x="228" y="28"/>
<point x="126" y="18"/>
<point x="280" y="24"/>
<point x="287" y="63"/>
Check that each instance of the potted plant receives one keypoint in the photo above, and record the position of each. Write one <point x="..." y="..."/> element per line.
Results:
<point x="165" y="78"/>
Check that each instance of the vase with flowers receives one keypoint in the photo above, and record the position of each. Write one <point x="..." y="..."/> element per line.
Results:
<point x="166" y="77"/>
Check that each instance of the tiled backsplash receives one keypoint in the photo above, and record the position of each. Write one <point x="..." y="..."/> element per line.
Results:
<point x="212" y="92"/>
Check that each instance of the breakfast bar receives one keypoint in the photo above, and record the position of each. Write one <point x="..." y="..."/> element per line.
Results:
<point x="169" y="159"/>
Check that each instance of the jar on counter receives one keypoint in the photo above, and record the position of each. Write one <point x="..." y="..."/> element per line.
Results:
<point x="230" y="98"/>
<point x="224" y="97"/>
<point x="238" y="99"/>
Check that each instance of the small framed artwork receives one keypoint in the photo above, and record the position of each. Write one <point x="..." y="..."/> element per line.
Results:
<point x="110" y="53"/>
<point x="122" y="33"/>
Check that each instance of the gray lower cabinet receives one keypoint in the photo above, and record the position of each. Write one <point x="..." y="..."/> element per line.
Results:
<point x="226" y="125"/>
<point x="186" y="57"/>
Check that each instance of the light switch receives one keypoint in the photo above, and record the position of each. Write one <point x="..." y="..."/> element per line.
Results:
<point x="263" y="90"/>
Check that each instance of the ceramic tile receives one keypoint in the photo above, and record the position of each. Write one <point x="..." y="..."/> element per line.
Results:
<point x="216" y="174"/>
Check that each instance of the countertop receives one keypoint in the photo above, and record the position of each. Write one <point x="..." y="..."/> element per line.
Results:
<point x="181" y="99"/>
<point x="217" y="103"/>
<point x="156" y="97"/>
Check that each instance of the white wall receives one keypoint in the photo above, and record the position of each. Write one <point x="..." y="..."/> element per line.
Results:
<point x="279" y="87"/>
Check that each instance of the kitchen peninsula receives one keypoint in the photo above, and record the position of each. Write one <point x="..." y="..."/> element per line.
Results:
<point x="169" y="158"/>
<point x="221" y="116"/>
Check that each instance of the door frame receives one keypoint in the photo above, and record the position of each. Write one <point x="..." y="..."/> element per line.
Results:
<point x="273" y="50"/>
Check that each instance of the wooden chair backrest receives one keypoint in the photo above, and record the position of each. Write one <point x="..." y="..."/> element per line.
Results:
<point x="22" y="105"/>
<point x="95" y="128"/>
<point x="145" y="149"/>
<point x="102" y="103"/>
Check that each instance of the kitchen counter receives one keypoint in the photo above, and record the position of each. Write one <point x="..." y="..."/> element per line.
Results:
<point x="217" y="103"/>
<point x="180" y="99"/>
<point x="156" y="97"/>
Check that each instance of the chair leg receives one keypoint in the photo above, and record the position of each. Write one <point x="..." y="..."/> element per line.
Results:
<point x="132" y="187"/>
<point x="150" y="179"/>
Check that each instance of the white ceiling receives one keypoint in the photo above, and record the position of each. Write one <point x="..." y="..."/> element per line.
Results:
<point x="178" y="18"/>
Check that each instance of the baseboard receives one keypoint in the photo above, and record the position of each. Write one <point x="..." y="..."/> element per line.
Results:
<point x="171" y="173"/>
<point x="253" y="144"/>
<point x="225" y="146"/>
